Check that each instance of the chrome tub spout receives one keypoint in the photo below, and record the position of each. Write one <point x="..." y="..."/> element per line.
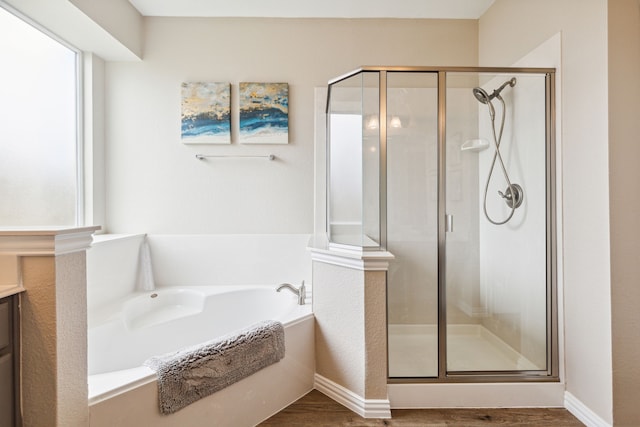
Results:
<point x="300" y="292"/>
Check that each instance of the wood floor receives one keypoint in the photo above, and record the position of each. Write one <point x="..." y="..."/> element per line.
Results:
<point x="315" y="409"/>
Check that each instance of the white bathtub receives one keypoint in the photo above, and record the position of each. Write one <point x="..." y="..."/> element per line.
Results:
<point x="127" y="332"/>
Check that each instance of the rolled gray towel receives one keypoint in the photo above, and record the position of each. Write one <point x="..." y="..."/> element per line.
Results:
<point x="195" y="372"/>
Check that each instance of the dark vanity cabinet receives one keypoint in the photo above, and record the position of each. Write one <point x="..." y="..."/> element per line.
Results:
<point x="9" y="415"/>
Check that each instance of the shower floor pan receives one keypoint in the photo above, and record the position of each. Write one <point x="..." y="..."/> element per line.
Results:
<point x="413" y="351"/>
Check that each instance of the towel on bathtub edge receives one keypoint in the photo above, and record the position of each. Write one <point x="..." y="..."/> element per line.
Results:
<point x="198" y="371"/>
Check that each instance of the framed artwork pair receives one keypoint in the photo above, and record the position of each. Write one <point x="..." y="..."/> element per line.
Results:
<point x="263" y="113"/>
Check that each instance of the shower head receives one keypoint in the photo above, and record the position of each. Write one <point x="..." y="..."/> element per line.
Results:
<point x="482" y="95"/>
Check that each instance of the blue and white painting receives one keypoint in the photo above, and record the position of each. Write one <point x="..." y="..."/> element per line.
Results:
<point x="264" y="113"/>
<point x="206" y="113"/>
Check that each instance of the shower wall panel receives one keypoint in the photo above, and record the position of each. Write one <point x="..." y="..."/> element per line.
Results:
<point x="513" y="255"/>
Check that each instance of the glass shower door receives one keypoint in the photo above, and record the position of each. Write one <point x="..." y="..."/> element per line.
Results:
<point x="412" y="218"/>
<point x="496" y="280"/>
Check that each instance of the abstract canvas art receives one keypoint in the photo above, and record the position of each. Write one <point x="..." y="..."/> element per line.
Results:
<point x="264" y="113"/>
<point x="206" y="113"/>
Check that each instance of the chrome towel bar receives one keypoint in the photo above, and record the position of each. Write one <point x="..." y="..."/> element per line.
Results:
<point x="203" y="156"/>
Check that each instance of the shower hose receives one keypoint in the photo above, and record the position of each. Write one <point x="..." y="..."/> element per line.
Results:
<point x="512" y="193"/>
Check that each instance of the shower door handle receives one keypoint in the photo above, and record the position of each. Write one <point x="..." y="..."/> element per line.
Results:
<point x="448" y="223"/>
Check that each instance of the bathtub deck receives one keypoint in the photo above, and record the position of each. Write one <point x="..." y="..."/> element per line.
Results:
<point x="136" y="404"/>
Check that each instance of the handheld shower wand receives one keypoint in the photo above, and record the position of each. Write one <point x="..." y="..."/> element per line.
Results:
<point x="514" y="194"/>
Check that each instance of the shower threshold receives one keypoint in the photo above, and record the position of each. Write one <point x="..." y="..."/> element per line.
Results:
<point x="413" y="351"/>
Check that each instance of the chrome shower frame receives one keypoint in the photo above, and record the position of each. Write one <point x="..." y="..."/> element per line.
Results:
<point x="551" y="374"/>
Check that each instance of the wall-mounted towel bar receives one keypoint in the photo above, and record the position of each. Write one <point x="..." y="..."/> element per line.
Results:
<point x="203" y="156"/>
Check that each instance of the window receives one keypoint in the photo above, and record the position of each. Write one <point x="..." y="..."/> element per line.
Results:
<point x="39" y="128"/>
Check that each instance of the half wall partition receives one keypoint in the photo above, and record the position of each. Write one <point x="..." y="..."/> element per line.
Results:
<point x="452" y="171"/>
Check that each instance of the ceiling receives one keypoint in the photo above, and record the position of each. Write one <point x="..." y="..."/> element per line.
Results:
<point x="436" y="9"/>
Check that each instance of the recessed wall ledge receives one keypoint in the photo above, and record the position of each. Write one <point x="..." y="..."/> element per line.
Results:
<point x="52" y="241"/>
<point x="102" y="238"/>
<point x="367" y="260"/>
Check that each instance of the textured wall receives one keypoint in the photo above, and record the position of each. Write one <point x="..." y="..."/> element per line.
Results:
<point x="39" y="350"/>
<point x="351" y="328"/>
<point x="71" y="307"/>
<point x="375" y="329"/>
<point x="624" y="152"/>
<point x="54" y="340"/>
<point x="338" y="305"/>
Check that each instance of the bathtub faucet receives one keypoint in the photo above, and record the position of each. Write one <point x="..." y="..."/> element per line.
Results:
<point x="301" y="292"/>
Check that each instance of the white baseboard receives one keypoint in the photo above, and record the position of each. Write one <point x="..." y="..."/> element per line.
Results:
<point x="366" y="408"/>
<point x="582" y="412"/>
<point x="476" y="395"/>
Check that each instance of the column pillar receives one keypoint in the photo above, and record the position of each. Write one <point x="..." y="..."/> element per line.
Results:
<point x="53" y="310"/>
<point x="350" y="304"/>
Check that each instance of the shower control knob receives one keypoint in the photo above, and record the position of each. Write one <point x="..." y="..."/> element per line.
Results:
<point x="514" y="197"/>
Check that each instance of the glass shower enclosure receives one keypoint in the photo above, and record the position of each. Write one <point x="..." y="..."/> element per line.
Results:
<point x="452" y="171"/>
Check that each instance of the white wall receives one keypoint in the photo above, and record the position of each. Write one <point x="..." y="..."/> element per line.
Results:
<point x="112" y="267"/>
<point x="154" y="183"/>
<point x="226" y="259"/>
<point x="509" y="30"/>
<point x="194" y="260"/>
